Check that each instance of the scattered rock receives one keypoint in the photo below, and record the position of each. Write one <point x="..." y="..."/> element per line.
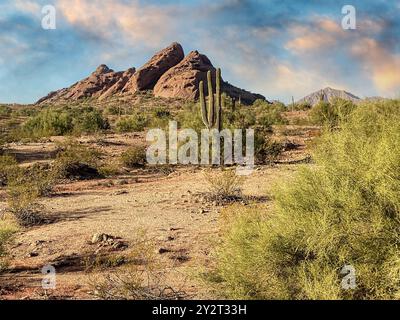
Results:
<point x="104" y="240"/>
<point x="163" y="250"/>
<point x="33" y="254"/>
<point x="119" y="193"/>
<point x="101" y="237"/>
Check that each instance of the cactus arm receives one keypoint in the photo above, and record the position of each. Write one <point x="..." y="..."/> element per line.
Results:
<point x="219" y="116"/>
<point x="203" y="105"/>
<point x="211" y="107"/>
<point x="218" y="98"/>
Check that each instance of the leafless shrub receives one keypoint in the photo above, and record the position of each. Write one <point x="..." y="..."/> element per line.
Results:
<point x="135" y="284"/>
<point x="224" y="185"/>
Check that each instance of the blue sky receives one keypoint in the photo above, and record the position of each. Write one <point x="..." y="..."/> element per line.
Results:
<point x="278" y="48"/>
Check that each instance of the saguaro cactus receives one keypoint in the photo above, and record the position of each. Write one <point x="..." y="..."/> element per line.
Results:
<point x="212" y="118"/>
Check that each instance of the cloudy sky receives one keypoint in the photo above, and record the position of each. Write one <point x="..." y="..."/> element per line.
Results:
<point x="278" y="48"/>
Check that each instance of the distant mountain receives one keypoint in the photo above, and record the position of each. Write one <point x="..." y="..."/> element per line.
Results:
<point x="328" y="94"/>
<point x="168" y="74"/>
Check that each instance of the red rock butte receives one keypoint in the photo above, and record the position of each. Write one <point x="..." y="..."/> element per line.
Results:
<point x="169" y="74"/>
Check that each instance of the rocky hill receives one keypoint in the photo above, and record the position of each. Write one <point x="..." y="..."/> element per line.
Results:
<point x="328" y="94"/>
<point x="169" y="74"/>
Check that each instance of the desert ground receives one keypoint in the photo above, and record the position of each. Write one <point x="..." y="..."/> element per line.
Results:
<point x="151" y="217"/>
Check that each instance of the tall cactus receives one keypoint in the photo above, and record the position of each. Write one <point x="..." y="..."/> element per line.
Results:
<point x="212" y="118"/>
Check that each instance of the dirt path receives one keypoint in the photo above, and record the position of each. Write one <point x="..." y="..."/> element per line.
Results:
<point x="162" y="209"/>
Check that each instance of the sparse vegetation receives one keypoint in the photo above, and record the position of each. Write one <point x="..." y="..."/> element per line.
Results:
<point x="134" y="157"/>
<point x="62" y="121"/>
<point x="134" y="123"/>
<point x="343" y="211"/>
<point x="331" y="113"/>
<point x="5" y="110"/>
<point x="141" y="278"/>
<point x="266" y="150"/>
<point x="75" y="161"/>
<point x="8" y="168"/>
<point x="7" y="229"/>
<point x="224" y="184"/>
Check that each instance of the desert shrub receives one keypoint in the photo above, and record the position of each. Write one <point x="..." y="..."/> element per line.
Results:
<point x="140" y="279"/>
<point x="266" y="150"/>
<point x="76" y="161"/>
<point x="48" y="123"/>
<point x="109" y="169"/>
<point x="38" y="177"/>
<point x="301" y="106"/>
<point x="5" y="110"/>
<point x="113" y="110"/>
<point x="134" y="157"/>
<point x="134" y="123"/>
<point x="24" y="187"/>
<point x="190" y="118"/>
<point x="162" y="113"/>
<point x="8" y="168"/>
<point x="23" y="202"/>
<point x="63" y="121"/>
<point x="89" y="120"/>
<point x="243" y="118"/>
<point x="26" y="112"/>
<point x="270" y="115"/>
<point x="331" y="113"/>
<point x="342" y="211"/>
<point x="6" y="232"/>
<point x="224" y="183"/>
<point x="160" y="118"/>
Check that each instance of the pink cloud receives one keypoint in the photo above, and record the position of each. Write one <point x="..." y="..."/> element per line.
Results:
<point x="382" y="65"/>
<point x="146" y="24"/>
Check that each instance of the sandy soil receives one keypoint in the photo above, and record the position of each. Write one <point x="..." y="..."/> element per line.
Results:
<point x="160" y="207"/>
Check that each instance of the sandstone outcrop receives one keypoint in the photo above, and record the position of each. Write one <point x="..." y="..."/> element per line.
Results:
<point x="148" y="75"/>
<point x="168" y="73"/>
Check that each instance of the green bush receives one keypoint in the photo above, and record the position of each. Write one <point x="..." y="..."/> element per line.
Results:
<point x="160" y="118"/>
<point x="5" y="110"/>
<point x="190" y="118"/>
<point x="266" y="150"/>
<point x="24" y="188"/>
<point x="134" y="123"/>
<point x="270" y="115"/>
<point x="48" y="123"/>
<point x="113" y="110"/>
<point x="343" y="211"/>
<point x="89" y="120"/>
<point x="6" y="232"/>
<point x="75" y="161"/>
<point x="59" y="122"/>
<point x="8" y="168"/>
<point x="27" y="111"/>
<point x="162" y="113"/>
<point x="134" y="157"/>
<point x="331" y="113"/>
<point x="224" y="183"/>
<point x="300" y="106"/>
